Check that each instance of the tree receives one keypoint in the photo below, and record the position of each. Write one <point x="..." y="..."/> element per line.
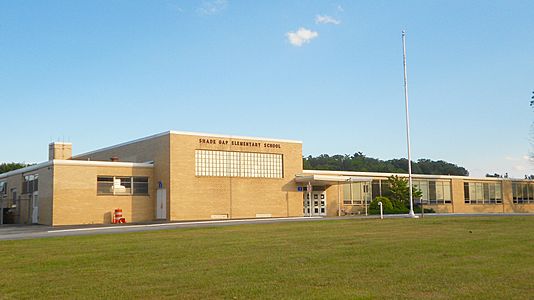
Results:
<point x="361" y="163"/>
<point x="6" y="167"/>
<point x="400" y="192"/>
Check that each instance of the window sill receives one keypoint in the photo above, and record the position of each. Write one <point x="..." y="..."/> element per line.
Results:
<point x="122" y="195"/>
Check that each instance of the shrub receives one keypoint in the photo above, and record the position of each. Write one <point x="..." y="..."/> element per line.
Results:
<point x="417" y="209"/>
<point x="374" y="208"/>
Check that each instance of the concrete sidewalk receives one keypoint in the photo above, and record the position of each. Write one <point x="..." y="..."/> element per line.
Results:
<point x="19" y="232"/>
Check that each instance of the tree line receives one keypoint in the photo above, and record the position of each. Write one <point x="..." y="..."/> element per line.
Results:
<point x="6" y="167"/>
<point x="360" y="163"/>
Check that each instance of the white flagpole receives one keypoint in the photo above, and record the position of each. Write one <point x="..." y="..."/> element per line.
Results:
<point x="411" y="214"/>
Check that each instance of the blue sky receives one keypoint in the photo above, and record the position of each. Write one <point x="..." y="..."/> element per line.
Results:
<point x="329" y="73"/>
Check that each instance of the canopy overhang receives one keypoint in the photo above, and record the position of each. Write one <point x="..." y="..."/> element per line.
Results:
<point x="319" y="180"/>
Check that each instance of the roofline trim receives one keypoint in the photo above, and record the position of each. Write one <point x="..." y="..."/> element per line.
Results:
<point x="234" y="136"/>
<point x="99" y="163"/>
<point x="378" y="174"/>
<point x="26" y="169"/>
<point x="61" y="162"/>
<point x="60" y="143"/>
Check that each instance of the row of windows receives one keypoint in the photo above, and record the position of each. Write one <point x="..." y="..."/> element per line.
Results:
<point x="118" y="185"/>
<point x="482" y="193"/>
<point x="522" y="193"/>
<point x="433" y="192"/>
<point x="238" y="164"/>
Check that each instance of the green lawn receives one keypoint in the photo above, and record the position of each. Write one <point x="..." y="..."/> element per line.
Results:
<point x="461" y="257"/>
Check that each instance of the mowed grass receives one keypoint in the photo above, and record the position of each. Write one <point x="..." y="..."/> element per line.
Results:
<point x="482" y="257"/>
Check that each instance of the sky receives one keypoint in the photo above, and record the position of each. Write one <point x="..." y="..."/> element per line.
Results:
<point x="328" y="73"/>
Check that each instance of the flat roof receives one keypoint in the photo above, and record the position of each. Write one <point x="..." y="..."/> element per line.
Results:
<point x="190" y="134"/>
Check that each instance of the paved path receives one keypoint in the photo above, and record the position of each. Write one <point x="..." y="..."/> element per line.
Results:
<point x="18" y="232"/>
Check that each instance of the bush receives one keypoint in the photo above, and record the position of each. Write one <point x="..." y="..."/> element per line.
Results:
<point x="417" y="209"/>
<point x="374" y="208"/>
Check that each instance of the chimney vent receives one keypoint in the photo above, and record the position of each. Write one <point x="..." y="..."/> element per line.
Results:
<point x="57" y="150"/>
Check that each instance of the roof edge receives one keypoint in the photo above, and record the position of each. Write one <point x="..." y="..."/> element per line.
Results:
<point x="378" y="174"/>
<point x="26" y="169"/>
<point x="233" y="136"/>
<point x="69" y="162"/>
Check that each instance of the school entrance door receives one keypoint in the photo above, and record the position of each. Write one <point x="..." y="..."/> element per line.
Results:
<point x="316" y="206"/>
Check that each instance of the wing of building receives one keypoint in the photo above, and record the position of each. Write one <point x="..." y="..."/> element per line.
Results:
<point x="195" y="176"/>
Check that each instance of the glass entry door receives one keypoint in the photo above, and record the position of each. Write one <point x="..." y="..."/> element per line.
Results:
<point x="316" y="206"/>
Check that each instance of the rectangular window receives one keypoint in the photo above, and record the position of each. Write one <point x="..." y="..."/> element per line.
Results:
<point x="424" y="187"/>
<point x="482" y="192"/>
<point x="522" y="192"/>
<point x="121" y="185"/>
<point x="360" y="193"/>
<point x="432" y="192"/>
<point x="104" y="185"/>
<point x="447" y="192"/>
<point x="3" y="188"/>
<point x="140" y="185"/>
<point x="238" y="164"/>
<point x="30" y="184"/>
<point x="467" y="195"/>
<point x="375" y="188"/>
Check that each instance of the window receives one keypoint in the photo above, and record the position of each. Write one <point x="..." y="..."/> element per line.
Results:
<point x="482" y="192"/>
<point x="522" y="193"/>
<point x="140" y="185"/>
<point x="375" y="188"/>
<point x="3" y="188"/>
<point x="121" y="185"/>
<point x="104" y="185"/>
<point x="238" y="164"/>
<point x="434" y="192"/>
<point x="360" y="193"/>
<point x="30" y="184"/>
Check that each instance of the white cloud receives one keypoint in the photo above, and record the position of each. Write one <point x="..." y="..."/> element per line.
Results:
<point x="340" y="8"/>
<point x="326" y="20"/>
<point x="212" y="7"/>
<point x="301" y="36"/>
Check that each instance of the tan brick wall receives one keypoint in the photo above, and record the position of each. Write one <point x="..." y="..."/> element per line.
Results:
<point x="191" y="198"/>
<point x="45" y="195"/>
<point x="198" y="197"/>
<point x="24" y="201"/>
<point x="461" y="207"/>
<point x="15" y="182"/>
<point x="154" y="149"/>
<point x="76" y="200"/>
<point x="334" y="197"/>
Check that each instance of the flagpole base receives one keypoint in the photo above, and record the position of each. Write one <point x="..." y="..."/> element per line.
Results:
<point x="412" y="215"/>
